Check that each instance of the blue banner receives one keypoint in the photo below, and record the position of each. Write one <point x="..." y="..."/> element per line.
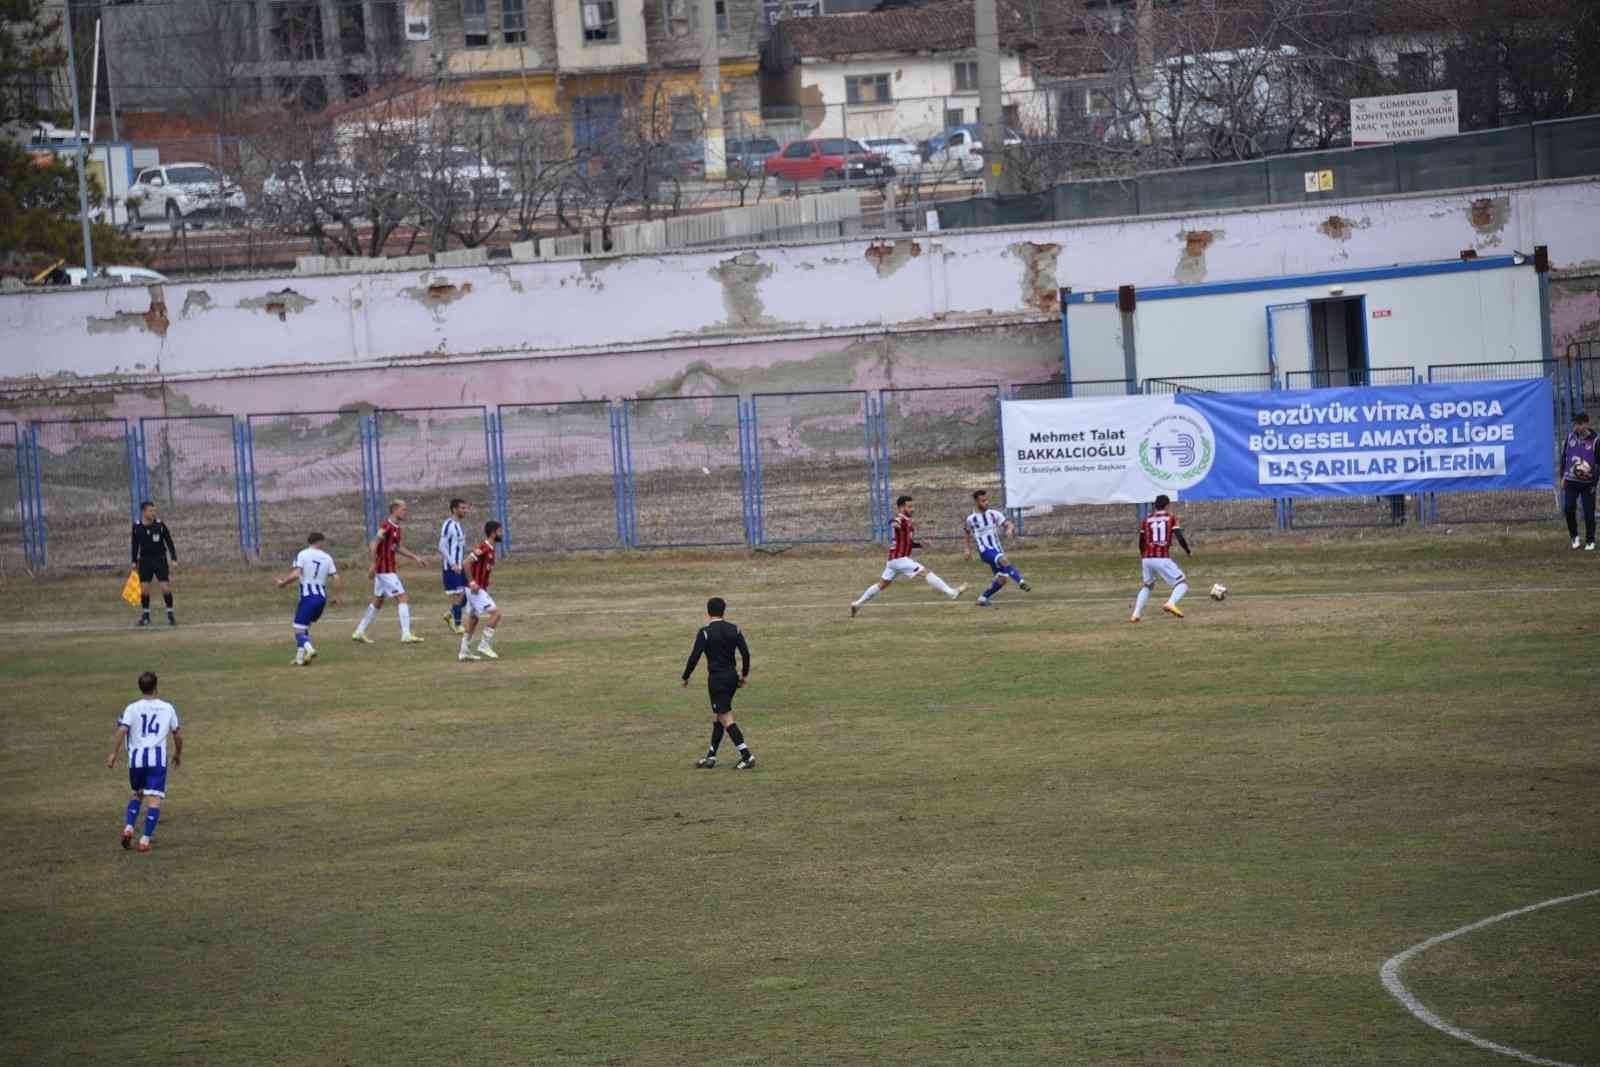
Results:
<point x="1372" y="441"/>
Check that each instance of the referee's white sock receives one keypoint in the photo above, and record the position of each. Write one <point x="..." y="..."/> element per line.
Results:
<point x="872" y="591"/>
<point x="939" y="584"/>
<point x="366" y="619"/>
<point x="405" y="620"/>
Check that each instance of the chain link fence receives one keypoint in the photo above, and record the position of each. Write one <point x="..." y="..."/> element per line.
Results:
<point x="309" y="471"/>
<point x="13" y="555"/>
<point x="562" y="485"/>
<point x="815" y="468"/>
<point x="686" y="471"/>
<point x="780" y="468"/>
<point x="85" y="478"/>
<point x="190" y="471"/>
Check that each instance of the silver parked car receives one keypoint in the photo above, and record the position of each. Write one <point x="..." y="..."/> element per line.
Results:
<point x="178" y="191"/>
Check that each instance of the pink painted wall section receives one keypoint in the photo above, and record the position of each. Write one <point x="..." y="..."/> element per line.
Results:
<point x="981" y="354"/>
<point x="1575" y="309"/>
<point x="697" y="301"/>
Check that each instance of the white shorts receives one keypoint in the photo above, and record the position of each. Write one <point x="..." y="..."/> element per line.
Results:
<point x="387" y="585"/>
<point x="480" y="603"/>
<point x="1166" y="569"/>
<point x="904" y="567"/>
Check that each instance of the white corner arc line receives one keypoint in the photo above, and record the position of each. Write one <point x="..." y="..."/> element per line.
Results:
<point x="1390" y="973"/>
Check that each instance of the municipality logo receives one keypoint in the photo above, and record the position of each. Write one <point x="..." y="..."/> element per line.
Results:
<point x="1177" y="449"/>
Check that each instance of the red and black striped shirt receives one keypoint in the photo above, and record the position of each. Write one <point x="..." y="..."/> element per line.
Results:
<point x="480" y="567"/>
<point x="388" y="544"/>
<point x="903" y="531"/>
<point x="1156" y="533"/>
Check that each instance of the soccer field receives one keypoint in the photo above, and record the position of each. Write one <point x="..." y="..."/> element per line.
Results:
<point x="1029" y="835"/>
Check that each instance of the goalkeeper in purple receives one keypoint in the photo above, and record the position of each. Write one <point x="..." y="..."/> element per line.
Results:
<point x="1579" y="473"/>
<point x="984" y="529"/>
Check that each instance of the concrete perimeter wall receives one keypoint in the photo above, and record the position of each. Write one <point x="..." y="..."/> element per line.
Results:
<point x="957" y="308"/>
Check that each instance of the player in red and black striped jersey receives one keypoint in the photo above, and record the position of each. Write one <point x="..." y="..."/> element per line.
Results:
<point x="900" y="562"/>
<point x="1156" y="534"/>
<point x="480" y="605"/>
<point x="385" y="582"/>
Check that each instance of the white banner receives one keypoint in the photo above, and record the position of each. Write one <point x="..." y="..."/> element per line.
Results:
<point x="1102" y="450"/>
<point x="1411" y="117"/>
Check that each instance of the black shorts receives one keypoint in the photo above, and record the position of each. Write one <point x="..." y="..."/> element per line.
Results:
<point x="722" y="691"/>
<point x="153" y="568"/>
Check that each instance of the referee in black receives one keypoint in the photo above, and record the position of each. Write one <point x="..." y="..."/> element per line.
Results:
<point x="717" y="640"/>
<point x="152" y="549"/>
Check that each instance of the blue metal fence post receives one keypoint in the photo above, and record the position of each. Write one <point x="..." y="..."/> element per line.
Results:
<point x="31" y="487"/>
<point x="133" y="446"/>
<point x="499" y="488"/>
<point x="874" y="469"/>
<point x="629" y="495"/>
<point x="886" y="493"/>
<point x="619" y="498"/>
<point x="746" y="475"/>
<point x="240" y="494"/>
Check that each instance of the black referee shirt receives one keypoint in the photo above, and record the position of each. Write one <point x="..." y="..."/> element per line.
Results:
<point x="153" y="542"/>
<point x="717" y="641"/>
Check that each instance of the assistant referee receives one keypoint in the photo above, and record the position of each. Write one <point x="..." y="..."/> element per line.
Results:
<point x="153" y="553"/>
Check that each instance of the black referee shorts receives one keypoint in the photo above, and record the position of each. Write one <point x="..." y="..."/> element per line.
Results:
<point x="722" y="689"/>
<point x="154" y="568"/>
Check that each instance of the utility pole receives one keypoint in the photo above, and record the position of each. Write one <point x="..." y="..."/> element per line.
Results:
<point x="711" y="90"/>
<point x="996" y="175"/>
<point x="77" y="145"/>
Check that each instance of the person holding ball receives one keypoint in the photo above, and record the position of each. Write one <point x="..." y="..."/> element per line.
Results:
<point x="1579" y="474"/>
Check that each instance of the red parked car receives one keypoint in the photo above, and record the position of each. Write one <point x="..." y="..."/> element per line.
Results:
<point x="830" y="160"/>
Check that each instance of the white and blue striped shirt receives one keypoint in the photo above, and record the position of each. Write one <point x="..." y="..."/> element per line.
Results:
<point x="452" y="543"/>
<point x="315" y="567"/>
<point x="986" y="528"/>
<point x="149" y="722"/>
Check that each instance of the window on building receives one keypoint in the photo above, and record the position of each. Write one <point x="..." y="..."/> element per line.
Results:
<point x="867" y="89"/>
<point x="1011" y="116"/>
<point x="722" y="17"/>
<point x="514" y="21"/>
<point x="354" y="85"/>
<point x="1414" y="70"/>
<point x="967" y="76"/>
<point x="352" y="28"/>
<point x="954" y="116"/>
<point x="475" y="23"/>
<point x="390" y="22"/>
<point x="297" y="31"/>
<point x="600" y="22"/>
<point x="596" y="121"/>
<point x="687" y="124"/>
<point x="675" y="13"/>
<point x="1101" y="101"/>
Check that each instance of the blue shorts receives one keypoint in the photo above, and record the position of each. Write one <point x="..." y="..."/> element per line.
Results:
<point x="151" y="781"/>
<point x="455" y="581"/>
<point x="309" y="610"/>
<point x="995" y="558"/>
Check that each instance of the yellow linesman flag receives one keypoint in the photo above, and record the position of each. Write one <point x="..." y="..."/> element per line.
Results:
<point x="131" y="590"/>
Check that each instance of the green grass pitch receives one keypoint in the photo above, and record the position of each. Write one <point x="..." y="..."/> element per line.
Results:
<point x="1032" y="835"/>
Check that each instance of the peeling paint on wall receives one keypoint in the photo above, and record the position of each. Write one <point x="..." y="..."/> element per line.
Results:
<point x="741" y="279"/>
<point x="437" y="293"/>
<point x="1040" y="291"/>
<point x="889" y="256"/>
<point x="153" y="320"/>
<point x="511" y="280"/>
<point x="195" y="302"/>
<point x="1489" y="216"/>
<point x="283" y="303"/>
<point x="1339" y="228"/>
<point x="1192" y="261"/>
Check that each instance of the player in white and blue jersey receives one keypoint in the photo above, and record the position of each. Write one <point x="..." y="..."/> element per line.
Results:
<point x="984" y="530"/>
<point x="144" y="729"/>
<point x="452" y="558"/>
<point x="316" y="572"/>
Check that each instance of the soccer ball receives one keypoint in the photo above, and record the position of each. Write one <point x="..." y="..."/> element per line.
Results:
<point x="1582" y="470"/>
<point x="1219" y="592"/>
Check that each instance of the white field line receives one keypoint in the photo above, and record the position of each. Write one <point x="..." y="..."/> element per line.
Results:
<point x="754" y="604"/>
<point x="1390" y="973"/>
